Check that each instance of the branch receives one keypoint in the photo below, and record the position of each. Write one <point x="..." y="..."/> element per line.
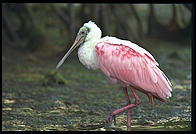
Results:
<point x="8" y="24"/>
<point x="139" y="26"/>
<point x="189" y="7"/>
<point x="71" y="20"/>
<point x="60" y="14"/>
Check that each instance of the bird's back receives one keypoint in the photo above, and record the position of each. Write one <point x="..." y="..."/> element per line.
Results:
<point x="126" y="62"/>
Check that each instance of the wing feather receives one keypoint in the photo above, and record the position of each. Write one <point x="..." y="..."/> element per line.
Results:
<point x="132" y="65"/>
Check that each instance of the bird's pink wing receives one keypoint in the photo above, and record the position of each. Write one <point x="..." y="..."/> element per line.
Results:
<point x="127" y="62"/>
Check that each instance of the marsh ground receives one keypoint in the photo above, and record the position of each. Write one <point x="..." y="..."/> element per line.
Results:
<point x="37" y="97"/>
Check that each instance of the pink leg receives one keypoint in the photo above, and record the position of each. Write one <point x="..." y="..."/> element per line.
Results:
<point x="129" y="110"/>
<point x="128" y="107"/>
<point x="128" y="119"/>
<point x="151" y="99"/>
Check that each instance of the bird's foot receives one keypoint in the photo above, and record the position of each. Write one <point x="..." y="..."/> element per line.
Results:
<point x="109" y="121"/>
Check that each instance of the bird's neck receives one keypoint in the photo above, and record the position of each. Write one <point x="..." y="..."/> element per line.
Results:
<point x="87" y="54"/>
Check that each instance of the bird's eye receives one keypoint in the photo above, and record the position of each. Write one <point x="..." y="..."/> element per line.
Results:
<point x="82" y="32"/>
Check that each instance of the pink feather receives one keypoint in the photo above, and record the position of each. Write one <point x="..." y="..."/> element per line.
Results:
<point x="132" y="65"/>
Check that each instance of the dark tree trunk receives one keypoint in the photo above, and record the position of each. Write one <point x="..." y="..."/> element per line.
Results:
<point x="151" y="20"/>
<point x="139" y="23"/>
<point x="122" y="29"/>
<point x="72" y="25"/>
<point x="24" y="35"/>
<point x="171" y="31"/>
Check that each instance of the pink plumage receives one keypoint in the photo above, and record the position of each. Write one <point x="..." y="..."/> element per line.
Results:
<point x="125" y="62"/>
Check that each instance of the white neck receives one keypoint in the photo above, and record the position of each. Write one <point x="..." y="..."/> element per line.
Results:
<point x="87" y="54"/>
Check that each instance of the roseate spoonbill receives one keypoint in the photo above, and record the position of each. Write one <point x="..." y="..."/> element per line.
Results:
<point x="124" y="63"/>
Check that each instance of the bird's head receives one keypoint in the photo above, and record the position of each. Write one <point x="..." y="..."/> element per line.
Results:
<point x="89" y="31"/>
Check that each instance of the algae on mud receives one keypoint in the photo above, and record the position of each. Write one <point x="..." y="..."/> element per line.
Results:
<point x="86" y="98"/>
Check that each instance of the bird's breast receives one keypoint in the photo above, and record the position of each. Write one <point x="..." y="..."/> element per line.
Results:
<point x="87" y="56"/>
